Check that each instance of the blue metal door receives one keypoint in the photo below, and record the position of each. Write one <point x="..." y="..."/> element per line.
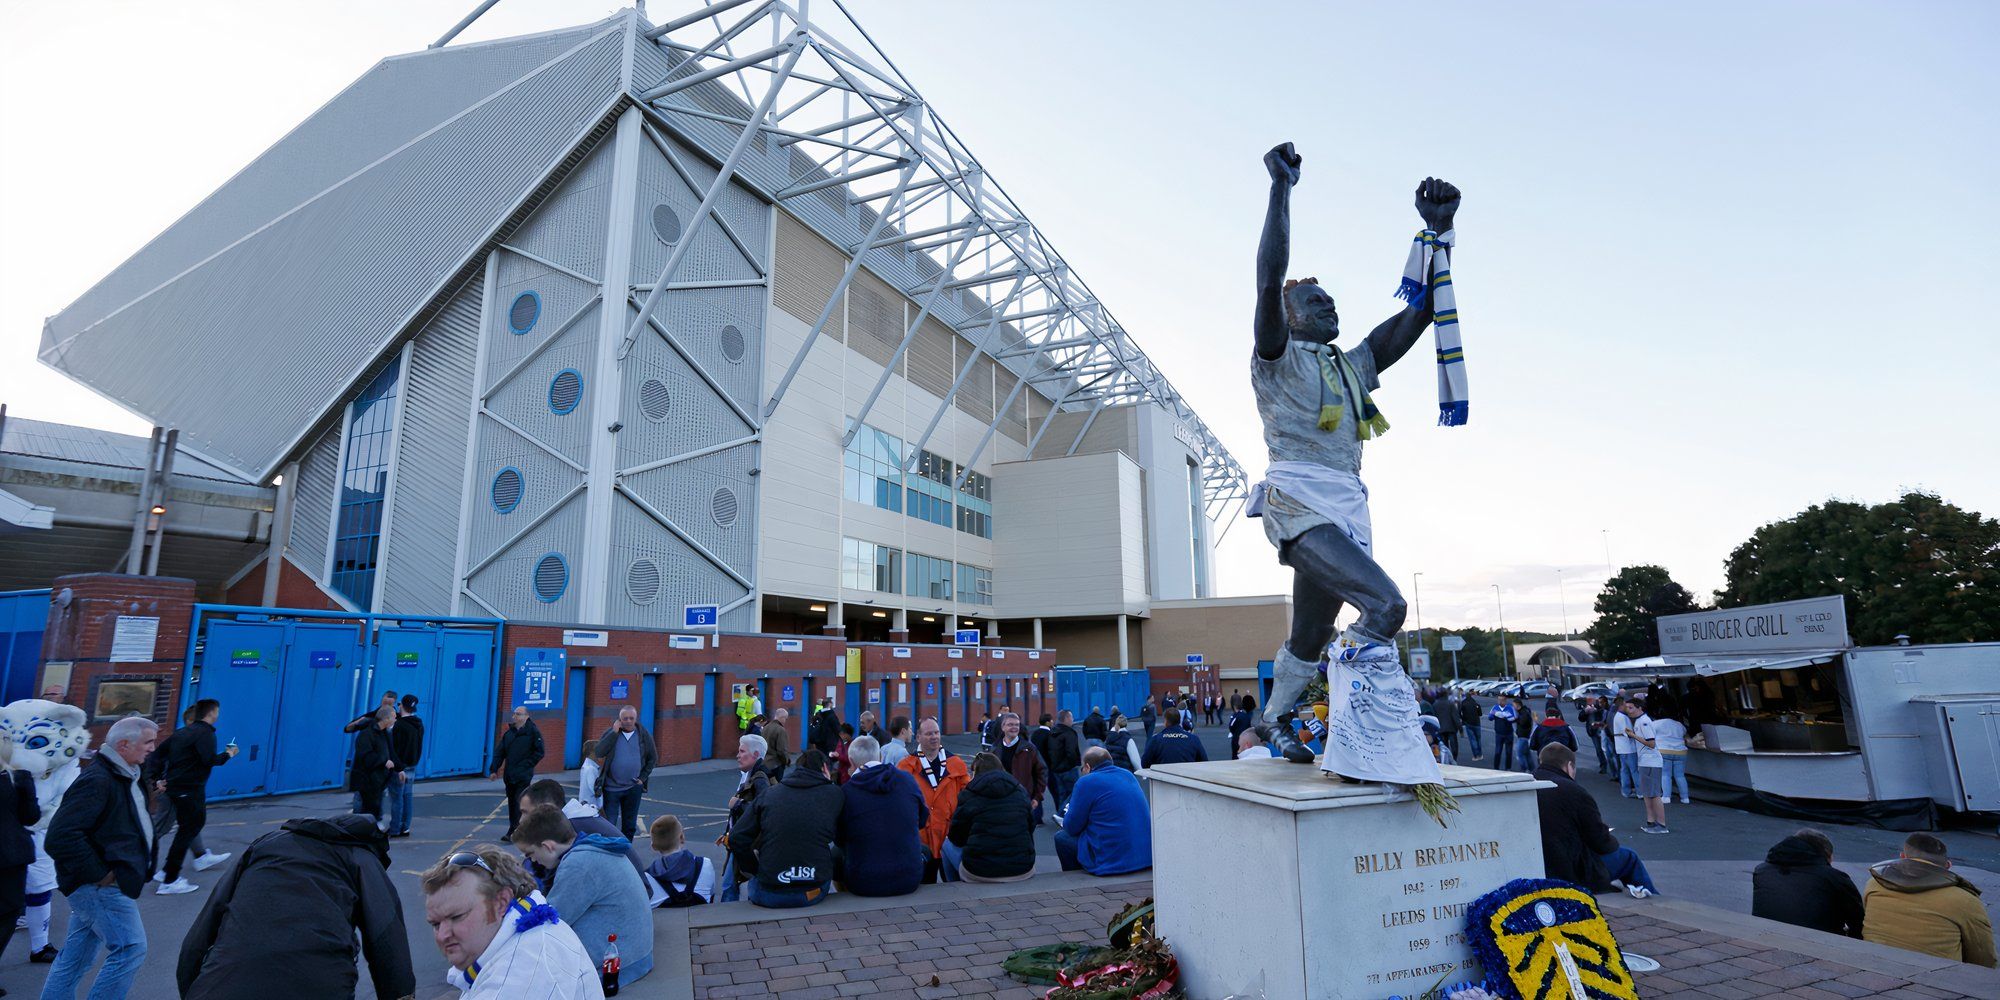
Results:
<point x="709" y="706"/>
<point x="574" y="698"/>
<point x="23" y="615"/>
<point x="316" y="688"/>
<point x="406" y="663"/>
<point x="460" y="724"/>
<point x="239" y="668"/>
<point x="649" y="702"/>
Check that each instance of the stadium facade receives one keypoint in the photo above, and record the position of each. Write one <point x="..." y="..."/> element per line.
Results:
<point x="588" y="325"/>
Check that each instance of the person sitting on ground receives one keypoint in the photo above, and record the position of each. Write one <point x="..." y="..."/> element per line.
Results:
<point x="1250" y="745"/>
<point x="880" y="816"/>
<point x="1118" y="739"/>
<point x="1918" y="903"/>
<point x="684" y="877"/>
<point x="500" y="937"/>
<point x="284" y="920"/>
<point x="785" y="838"/>
<point x="898" y="746"/>
<point x="589" y="888"/>
<point x="1798" y="884"/>
<point x="941" y="778"/>
<point x="1576" y="845"/>
<point x="1108" y="829"/>
<point x="549" y="792"/>
<point x="993" y="828"/>
<point x="1174" y="744"/>
<point x="755" y="771"/>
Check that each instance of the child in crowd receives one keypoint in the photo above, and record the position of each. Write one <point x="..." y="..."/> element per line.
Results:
<point x="687" y="879"/>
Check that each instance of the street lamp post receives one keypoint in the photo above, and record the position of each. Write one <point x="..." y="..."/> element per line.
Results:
<point x="1417" y="591"/>
<point x="1562" y="594"/>
<point x="1503" y="631"/>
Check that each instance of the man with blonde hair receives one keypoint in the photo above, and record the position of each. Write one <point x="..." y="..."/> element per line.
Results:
<point x="498" y="934"/>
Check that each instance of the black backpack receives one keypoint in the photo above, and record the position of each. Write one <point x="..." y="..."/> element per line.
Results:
<point x="683" y="895"/>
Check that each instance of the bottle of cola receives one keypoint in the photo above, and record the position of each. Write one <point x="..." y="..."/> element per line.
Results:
<point x="610" y="973"/>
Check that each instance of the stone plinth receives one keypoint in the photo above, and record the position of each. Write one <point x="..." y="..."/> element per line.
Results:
<point x="1273" y="879"/>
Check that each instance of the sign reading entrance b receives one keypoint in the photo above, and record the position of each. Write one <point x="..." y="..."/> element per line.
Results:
<point x="538" y="677"/>
<point x="701" y="616"/>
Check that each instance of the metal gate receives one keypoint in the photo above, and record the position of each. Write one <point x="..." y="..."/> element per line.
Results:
<point x="289" y="680"/>
<point x="23" y="614"/>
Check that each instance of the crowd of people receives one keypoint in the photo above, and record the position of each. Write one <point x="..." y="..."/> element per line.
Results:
<point x="564" y="909"/>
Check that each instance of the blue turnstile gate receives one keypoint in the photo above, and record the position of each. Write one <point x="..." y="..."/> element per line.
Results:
<point x="289" y="681"/>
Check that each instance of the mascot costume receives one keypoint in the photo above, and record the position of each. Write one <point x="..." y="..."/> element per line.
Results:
<point x="45" y="739"/>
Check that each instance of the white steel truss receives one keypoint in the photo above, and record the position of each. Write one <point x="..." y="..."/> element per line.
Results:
<point x="805" y="76"/>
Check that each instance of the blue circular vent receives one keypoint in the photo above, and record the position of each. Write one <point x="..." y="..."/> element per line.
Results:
<point x="565" y="390"/>
<point x="507" y="487"/>
<point x="551" y="578"/>
<point x="521" y="316"/>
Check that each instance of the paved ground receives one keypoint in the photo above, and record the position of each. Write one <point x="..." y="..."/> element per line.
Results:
<point x="1708" y="855"/>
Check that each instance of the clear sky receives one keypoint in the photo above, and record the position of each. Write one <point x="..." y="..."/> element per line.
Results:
<point x="1719" y="261"/>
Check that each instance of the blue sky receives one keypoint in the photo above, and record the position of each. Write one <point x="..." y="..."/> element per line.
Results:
<point x="1719" y="261"/>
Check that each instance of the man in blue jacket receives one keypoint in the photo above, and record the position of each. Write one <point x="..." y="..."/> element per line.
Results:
<point x="1108" y="829"/>
<point x="1173" y="745"/>
<point x="882" y="810"/>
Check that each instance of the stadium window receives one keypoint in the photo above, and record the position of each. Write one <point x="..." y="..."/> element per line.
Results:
<point x="865" y="565"/>
<point x="975" y="584"/>
<point x="930" y="489"/>
<point x="975" y="505"/>
<point x="874" y="469"/>
<point x="930" y="577"/>
<point x="364" y="485"/>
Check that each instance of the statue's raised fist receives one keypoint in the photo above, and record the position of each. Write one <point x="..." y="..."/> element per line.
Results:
<point x="1283" y="162"/>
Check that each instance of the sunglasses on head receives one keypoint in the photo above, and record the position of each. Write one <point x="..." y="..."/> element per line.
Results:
<point x="467" y="859"/>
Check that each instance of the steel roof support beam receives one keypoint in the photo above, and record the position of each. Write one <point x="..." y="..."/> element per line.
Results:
<point x="466" y="22"/>
<point x="952" y="393"/>
<point x="833" y="301"/>
<point x="1085" y="429"/>
<point x="676" y="86"/>
<point x="795" y="46"/>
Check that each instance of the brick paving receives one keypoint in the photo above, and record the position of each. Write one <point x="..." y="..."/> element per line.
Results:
<point x="946" y="949"/>
<point x="925" y="951"/>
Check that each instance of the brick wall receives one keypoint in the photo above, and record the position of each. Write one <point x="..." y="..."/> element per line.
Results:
<point x="81" y="631"/>
<point x="631" y="656"/>
<point x="296" y="589"/>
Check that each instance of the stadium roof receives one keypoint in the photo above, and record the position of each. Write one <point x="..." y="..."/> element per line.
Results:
<point x="316" y="260"/>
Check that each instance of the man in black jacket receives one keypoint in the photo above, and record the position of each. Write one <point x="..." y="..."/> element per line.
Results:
<point x="1093" y="725"/>
<point x="1468" y="720"/>
<point x="190" y="754"/>
<point x="785" y="837"/>
<point x="1798" y="884"/>
<point x="406" y="738"/>
<point x="374" y="764"/>
<point x="19" y="810"/>
<point x="520" y="749"/>
<point x="1245" y="718"/>
<point x="101" y="841"/>
<point x="1576" y="845"/>
<point x="283" y="921"/>
<point x="1065" y="756"/>
<point x="826" y="727"/>
<point x="1174" y="744"/>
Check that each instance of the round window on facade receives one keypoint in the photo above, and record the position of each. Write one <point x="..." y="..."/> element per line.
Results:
<point x="565" y="391"/>
<point x="527" y="309"/>
<point x="551" y="578"/>
<point x="655" y="400"/>
<point x="723" y="506"/>
<point x="733" y="347"/>
<point x="642" y="581"/>
<point x="666" y="224"/>
<point x="507" y="487"/>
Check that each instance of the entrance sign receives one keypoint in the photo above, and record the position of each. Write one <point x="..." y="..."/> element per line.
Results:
<point x="700" y="616"/>
<point x="585" y="637"/>
<point x="965" y="637"/>
<point x="900" y="652"/>
<point x="955" y="653"/>
<point x="538" y="677"/>
<point x="874" y="696"/>
<point x="791" y="645"/>
<point x="1454" y="643"/>
<point x="1812" y="623"/>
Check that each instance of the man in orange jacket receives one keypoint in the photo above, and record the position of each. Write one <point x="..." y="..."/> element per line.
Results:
<point x="940" y="776"/>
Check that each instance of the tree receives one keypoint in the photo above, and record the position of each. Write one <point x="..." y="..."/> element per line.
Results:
<point x="1628" y="608"/>
<point x="1915" y="565"/>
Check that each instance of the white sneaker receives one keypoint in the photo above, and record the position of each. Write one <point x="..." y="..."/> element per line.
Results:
<point x="1638" y="891"/>
<point x="176" y="887"/>
<point x="158" y="876"/>
<point x="209" y="860"/>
